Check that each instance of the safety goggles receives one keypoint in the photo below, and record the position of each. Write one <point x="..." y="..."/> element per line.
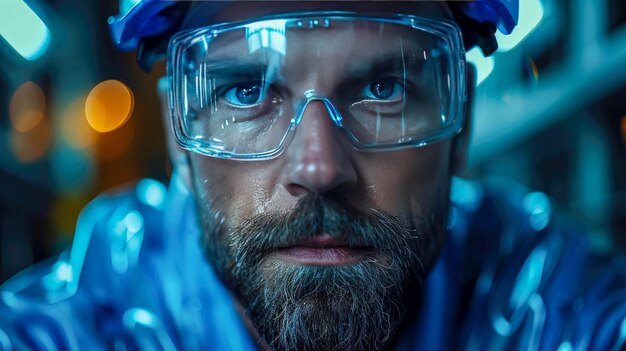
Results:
<point x="240" y="90"/>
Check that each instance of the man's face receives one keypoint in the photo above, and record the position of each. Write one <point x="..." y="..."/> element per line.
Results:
<point x="324" y="246"/>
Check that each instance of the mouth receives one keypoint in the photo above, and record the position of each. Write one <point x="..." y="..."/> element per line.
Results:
<point x="323" y="250"/>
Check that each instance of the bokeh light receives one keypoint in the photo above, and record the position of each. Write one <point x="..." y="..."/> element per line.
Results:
<point x="27" y="107"/>
<point x="23" y="29"/>
<point x="74" y="127"/>
<point x="32" y="144"/>
<point x="151" y="193"/>
<point x="109" y="105"/>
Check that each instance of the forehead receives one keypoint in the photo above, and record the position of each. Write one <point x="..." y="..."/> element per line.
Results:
<point x="203" y="13"/>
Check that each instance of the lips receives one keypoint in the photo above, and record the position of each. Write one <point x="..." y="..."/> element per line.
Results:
<point x="323" y="250"/>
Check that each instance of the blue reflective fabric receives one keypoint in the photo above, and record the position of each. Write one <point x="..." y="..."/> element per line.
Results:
<point x="135" y="279"/>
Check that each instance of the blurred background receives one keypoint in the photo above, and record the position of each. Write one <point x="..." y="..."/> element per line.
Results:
<point x="550" y="113"/>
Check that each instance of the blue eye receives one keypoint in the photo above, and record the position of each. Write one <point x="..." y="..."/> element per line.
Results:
<point x="245" y="94"/>
<point x="383" y="89"/>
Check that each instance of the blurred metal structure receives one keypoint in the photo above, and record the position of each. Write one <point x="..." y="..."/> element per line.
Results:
<point x="551" y="131"/>
<point x="593" y="59"/>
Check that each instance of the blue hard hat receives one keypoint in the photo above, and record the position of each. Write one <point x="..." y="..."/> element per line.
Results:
<point x="140" y="19"/>
<point x="502" y="13"/>
<point x="145" y="18"/>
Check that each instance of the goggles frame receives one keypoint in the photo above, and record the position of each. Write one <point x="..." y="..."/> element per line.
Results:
<point x="443" y="29"/>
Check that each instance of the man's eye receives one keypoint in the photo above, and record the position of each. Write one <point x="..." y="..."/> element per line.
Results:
<point x="244" y="94"/>
<point x="383" y="89"/>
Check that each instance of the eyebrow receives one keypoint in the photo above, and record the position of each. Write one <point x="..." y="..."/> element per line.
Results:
<point x="236" y="67"/>
<point x="386" y="64"/>
<point x="244" y="68"/>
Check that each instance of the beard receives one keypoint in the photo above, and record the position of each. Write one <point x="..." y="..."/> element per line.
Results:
<point x="356" y="306"/>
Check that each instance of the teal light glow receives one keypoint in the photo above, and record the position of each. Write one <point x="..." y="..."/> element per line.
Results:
<point x="529" y="278"/>
<point x="139" y="316"/>
<point x="565" y="346"/>
<point x="537" y="205"/>
<point x="530" y="15"/>
<point x="57" y="279"/>
<point x="151" y="192"/>
<point x="138" y="321"/>
<point x="23" y="29"/>
<point x="63" y="271"/>
<point x="126" y="237"/>
<point x="126" y="5"/>
<point x="484" y="65"/>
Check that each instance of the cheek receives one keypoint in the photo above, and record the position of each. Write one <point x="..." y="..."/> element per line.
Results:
<point x="404" y="183"/>
<point x="237" y="190"/>
<point x="408" y="182"/>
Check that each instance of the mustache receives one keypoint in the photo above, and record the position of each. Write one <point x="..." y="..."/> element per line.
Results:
<point x="314" y="215"/>
<point x="310" y="308"/>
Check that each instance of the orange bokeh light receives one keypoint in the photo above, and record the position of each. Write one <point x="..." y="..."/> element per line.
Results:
<point x="33" y="144"/>
<point x="109" y="105"/>
<point x="27" y="107"/>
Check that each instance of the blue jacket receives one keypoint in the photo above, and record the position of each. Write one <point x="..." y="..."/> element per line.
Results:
<point x="510" y="278"/>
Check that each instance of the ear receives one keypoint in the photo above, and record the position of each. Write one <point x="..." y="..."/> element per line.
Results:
<point x="461" y="142"/>
<point x="177" y="155"/>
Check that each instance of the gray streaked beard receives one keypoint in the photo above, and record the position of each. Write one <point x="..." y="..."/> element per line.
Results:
<point x="349" y="307"/>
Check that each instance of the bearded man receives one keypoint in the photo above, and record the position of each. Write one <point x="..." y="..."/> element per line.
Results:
<point x="314" y="147"/>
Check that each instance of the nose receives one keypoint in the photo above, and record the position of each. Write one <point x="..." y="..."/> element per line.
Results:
<point x="318" y="157"/>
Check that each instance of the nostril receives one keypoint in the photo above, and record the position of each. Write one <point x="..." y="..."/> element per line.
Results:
<point x="296" y="189"/>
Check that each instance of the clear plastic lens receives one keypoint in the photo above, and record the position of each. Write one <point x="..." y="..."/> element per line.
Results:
<point x="240" y="91"/>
